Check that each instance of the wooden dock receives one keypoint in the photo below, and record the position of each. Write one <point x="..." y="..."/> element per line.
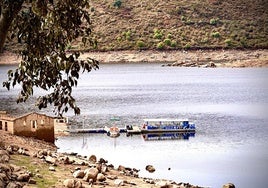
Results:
<point x="93" y="130"/>
<point x="133" y="131"/>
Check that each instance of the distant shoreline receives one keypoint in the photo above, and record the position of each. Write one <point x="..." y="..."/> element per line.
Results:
<point x="191" y="58"/>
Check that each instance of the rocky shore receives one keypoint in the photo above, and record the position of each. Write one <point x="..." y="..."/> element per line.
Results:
<point x="195" y="58"/>
<point x="27" y="162"/>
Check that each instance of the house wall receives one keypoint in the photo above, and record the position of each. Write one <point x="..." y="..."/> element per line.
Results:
<point x="35" y="125"/>
<point x="7" y="125"/>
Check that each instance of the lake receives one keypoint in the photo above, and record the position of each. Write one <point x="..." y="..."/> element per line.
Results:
<point x="228" y="106"/>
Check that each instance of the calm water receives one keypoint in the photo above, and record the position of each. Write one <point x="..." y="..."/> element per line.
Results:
<point x="228" y="106"/>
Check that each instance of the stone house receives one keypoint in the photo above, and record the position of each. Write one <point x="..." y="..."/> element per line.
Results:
<point x="33" y="124"/>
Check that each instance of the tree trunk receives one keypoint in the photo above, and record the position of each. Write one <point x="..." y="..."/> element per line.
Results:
<point x="8" y="13"/>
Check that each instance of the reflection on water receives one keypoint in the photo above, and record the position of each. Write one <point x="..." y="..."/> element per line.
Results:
<point x="167" y="136"/>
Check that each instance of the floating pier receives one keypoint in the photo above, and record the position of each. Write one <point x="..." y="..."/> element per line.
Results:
<point x="132" y="131"/>
<point x="94" y="130"/>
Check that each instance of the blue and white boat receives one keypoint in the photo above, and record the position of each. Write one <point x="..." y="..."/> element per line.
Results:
<point x="167" y="125"/>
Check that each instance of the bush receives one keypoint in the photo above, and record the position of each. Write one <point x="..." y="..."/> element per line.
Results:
<point x="117" y="3"/>
<point x="169" y="36"/>
<point x="158" y="34"/>
<point x="160" y="45"/>
<point x="216" y="34"/>
<point x="228" y="42"/>
<point x="214" y="21"/>
<point x="140" y="44"/>
<point x="167" y="42"/>
<point x="187" y="46"/>
<point x="173" y="43"/>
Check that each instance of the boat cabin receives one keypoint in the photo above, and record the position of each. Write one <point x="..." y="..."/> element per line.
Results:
<point x="169" y="124"/>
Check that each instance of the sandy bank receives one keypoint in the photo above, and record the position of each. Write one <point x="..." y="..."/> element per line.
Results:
<point x="197" y="58"/>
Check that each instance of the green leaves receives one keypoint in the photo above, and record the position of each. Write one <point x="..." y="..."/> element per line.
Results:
<point x="45" y="31"/>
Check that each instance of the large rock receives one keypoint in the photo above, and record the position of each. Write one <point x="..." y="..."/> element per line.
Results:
<point x="78" y="174"/>
<point x="23" y="177"/>
<point x="72" y="183"/>
<point x="91" y="173"/>
<point x="4" y="156"/>
<point x="150" y="168"/>
<point x="92" y="159"/>
<point x="14" y="185"/>
<point x="50" y="160"/>
<point x="228" y="185"/>
<point x="118" y="182"/>
<point x="101" y="177"/>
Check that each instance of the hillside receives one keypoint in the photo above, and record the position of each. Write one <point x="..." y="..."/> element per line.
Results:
<point x="184" y="24"/>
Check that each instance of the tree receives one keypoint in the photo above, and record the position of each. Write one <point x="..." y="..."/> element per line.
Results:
<point x="45" y="28"/>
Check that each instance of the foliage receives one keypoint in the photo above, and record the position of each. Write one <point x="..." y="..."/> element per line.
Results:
<point x="158" y="34"/>
<point x="228" y="42"/>
<point x="46" y="30"/>
<point x="216" y="34"/>
<point x="187" y="46"/>
<point x="173" y="43"/>
<point x="214" y="21"/>
<point x="167" y="42"/>
<point x="140" y="44"/>
<point x="160" y="45"/>
<point x="117" y="3"/>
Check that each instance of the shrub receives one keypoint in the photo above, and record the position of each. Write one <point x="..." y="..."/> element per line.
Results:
<point x="214" y="21"/>
<point x="140" y="44"/>
<point x="167" y="42"/>
<point x="158" y="34"/>
<point x="117" y="3"/>
<point x="216" y="34"/>
<point x="228" y="42"/>
<point x="173" y="43"/>
<point x="169" y="36"/>
<point x="160" y="45"/>
<point x="187" y="46"/>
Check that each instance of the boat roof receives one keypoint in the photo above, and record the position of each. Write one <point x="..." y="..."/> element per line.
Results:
<point x="165" y="120"/>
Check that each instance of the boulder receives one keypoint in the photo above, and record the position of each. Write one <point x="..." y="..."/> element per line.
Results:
<point x="14" y="185"/>
<point x="101" y="177"/>
<point x="72" y="183"/>
<point x="91" y="173"/>
<point x="23" y="151"/>
<point x="103" y="161"/>
<point x="162" y="184"/>
<point x="92" y="159"/>
<point x="121" y="168"/>
<point x="118" y="182"/>
<point x="51" y="168"/>
<point x="23" y="177"/>
<point x="69" y="183"/>
<point x="228" y="185"/>
<point x="31" y="181"/>
<point x="2" y="183"/>
<point x="50" y="160"/>
<point x="78" y="174"/>
<point x="4" y="156"/>
<point x="150" y="168"/>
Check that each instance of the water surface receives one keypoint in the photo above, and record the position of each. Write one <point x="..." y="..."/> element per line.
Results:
<point x="228" y="106"/>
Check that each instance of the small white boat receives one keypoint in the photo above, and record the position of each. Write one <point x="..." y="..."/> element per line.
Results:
<point x="113" y="131"/>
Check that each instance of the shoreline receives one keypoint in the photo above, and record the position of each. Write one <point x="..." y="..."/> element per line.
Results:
<point x="33" y="162"/>
<point x="182" y="58"/>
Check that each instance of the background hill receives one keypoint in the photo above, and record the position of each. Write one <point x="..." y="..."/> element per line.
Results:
<point x="183" y="24"/>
